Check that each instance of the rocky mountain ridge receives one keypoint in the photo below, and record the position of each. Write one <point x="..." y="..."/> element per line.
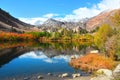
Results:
<point x="104" y="17"/>
<point x="9" y="23"/>
<point x="85" y="24"/>
<point x="53" y="25"/>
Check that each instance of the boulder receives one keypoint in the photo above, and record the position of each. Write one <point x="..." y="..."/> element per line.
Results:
<point x="64" y="75"/>
<point x="94" y="51"/>
<point x="49" y="74"/>
<point x="14" y="79"/>
<point x="73" y="57"/>
<point x="106" y="72"/>
<point x="116" y="71"/>
<point x="26" y="78"/>
<point x="59" y="75"/>
<point x="75" y="75"/>
<point x="40" y="77"/>
<point x="101" y="77"/>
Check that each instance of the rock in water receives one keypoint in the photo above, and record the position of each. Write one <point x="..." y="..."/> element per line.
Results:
<point x="75" y="75"/>
<point x="40" y="77"/>
<point x="64" y="75"/>
<point x="26" y="78"/>
<point x="49" y="74"/>
<point x="59" y="75"/>
<point x="14" y="79"/>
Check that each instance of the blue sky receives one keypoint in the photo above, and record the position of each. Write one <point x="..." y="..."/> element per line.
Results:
<point x="37" y="11"/>
<point x="37" y="8"/>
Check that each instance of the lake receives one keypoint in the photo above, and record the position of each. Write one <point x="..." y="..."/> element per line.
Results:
<point x="29" y="58"/>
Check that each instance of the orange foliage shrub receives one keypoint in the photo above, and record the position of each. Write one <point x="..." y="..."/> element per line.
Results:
<point x="92" y="62"/>
<point x="9" y="36"/>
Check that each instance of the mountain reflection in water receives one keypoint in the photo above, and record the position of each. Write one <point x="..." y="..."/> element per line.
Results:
<point x="43" y="57"/>
<point x="39" y="58"/>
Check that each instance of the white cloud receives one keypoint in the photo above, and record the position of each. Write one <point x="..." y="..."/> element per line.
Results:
<point x="34" y="21"/>
<point x="43" y="57"/>
<point x="49" y="61"/>
<point x="109" y="4"/>
<point x="32" y="54"/>
<point x="64" y="57"/>
<point x="79" y="13"/>
<point x="84" y="12"/>
<point x="39" y="55"/>
<point x="38" y="20"/>
<point x="50" y="15"/>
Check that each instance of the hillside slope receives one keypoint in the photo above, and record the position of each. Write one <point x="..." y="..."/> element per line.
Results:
<point x="10" y="23"/>
<point x="104" y="17"/>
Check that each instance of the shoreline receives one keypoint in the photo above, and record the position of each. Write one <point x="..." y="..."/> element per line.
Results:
<point x="46" y="77"/>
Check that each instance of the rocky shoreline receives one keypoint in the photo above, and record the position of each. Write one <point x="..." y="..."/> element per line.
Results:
<point x="50" y="76"/>
<point x="101" y="74"/>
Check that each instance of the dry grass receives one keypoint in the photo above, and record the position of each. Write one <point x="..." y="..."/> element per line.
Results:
<point x="92" y="62"/>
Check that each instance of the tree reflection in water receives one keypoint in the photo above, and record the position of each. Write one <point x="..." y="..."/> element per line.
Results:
<point x="10" y="50"/>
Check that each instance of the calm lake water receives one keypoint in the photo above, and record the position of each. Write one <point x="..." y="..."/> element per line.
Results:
<point x="20" y="59"/>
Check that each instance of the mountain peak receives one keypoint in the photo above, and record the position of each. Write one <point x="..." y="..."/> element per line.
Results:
<point x="51" y="19"/>
<point x="52" y="22"/>
<point x="97" y="21"/>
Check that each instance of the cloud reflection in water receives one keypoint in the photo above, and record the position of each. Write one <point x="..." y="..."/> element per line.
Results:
<point x="40" y="55"/>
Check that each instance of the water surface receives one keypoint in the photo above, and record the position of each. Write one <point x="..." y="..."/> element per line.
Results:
<point x="39" y="58"/>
